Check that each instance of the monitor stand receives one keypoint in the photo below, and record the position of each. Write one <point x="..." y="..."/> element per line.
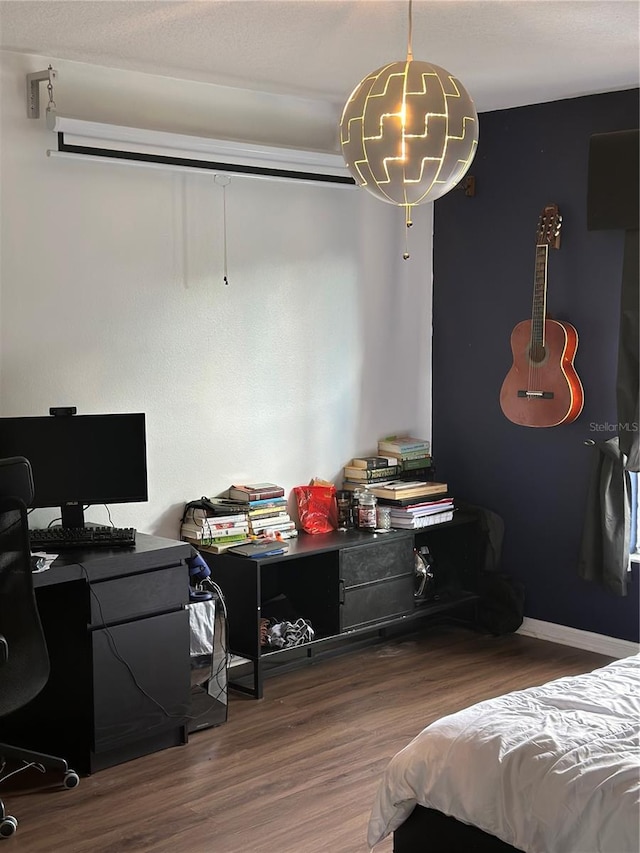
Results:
<point x="72" y="515"/>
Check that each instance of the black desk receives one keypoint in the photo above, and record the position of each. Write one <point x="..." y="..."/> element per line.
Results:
<point x="118" y="637"/>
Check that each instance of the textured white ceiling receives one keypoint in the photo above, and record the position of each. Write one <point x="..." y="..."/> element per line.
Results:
<point x="506" y="52"/>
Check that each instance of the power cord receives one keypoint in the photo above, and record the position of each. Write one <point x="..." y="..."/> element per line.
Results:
<point x="216" y="676"/>
<point x="223" y="665"/>
<point x="114" y="648"/>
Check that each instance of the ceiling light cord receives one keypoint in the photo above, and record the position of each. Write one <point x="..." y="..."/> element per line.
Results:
<point x="410" y="35"/>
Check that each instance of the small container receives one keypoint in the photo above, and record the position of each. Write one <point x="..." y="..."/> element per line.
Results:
<point x="355" y="503"/>
<point x="383" y="519"/>
<point x="367" y="511"/>
<point x="345" y="519"/>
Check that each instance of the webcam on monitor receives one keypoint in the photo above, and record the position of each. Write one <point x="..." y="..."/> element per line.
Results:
<point x="62" y="411"/>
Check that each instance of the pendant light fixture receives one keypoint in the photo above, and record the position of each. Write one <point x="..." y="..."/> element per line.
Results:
<point x="409" y="132"/>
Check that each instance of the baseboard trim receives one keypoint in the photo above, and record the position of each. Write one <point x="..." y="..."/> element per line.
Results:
<point x="600" y="643"/>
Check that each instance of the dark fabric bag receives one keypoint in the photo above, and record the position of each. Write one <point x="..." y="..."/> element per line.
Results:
<point x="501" y="606"/>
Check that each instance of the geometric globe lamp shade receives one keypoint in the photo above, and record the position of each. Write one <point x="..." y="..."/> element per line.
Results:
<point x="409" y="132"/>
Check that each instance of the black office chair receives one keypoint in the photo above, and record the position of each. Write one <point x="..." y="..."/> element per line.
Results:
<point x="24" y="662"/>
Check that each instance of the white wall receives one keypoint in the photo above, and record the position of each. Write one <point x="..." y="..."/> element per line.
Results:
<point x="112" y="299"/>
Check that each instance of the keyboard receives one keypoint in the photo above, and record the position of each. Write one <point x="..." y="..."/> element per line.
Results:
<point x="56" y="539"/>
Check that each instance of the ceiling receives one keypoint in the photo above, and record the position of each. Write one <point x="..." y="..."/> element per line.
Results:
<point x="506" y="52"/>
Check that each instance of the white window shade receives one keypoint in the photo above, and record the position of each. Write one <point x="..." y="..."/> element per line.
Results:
<point x="94" y="140"/>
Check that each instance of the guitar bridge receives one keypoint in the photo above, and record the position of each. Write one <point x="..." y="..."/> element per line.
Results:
<point x="540" y="395"/>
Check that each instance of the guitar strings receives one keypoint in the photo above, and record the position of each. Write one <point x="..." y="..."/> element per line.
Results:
<point x="537" y="337"/>
<point x="530" y="377"/>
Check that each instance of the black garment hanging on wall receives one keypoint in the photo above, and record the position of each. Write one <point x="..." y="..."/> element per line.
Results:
<point x="604" y="550"/>
<point x="612" y="202"/>
<point x="628" y="384"/>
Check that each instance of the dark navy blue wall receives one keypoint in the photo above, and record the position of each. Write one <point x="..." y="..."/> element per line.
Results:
<point x="484" y="249"/>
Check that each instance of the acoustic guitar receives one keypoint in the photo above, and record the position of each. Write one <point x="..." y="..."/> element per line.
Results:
<point x="542" y="388"/>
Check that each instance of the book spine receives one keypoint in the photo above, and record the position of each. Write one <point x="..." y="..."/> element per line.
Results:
<point x="411" y="454"/>
<point x="260" y="495"/>
<point x="212" y="523"/>
<point x="263" y="502"/>
<point x="283" y="524"/>
<point x="220" y="506"/>
<point x="254" y="497"/>
<point x="204" y="533"/>
<point x="423" y="508"/>
<point x="371" y="463"/>
<point x="195" y="516"/>
<point x="274" y="533"/>
<point x="424" y="521"/>
<point x="415" y="463"/>
<point x="267" y="512"/>
<point x="270" y="522"/>
<point x="404" y="449"/>
<point x="408" y="497"/>
<point x="220" y="547"/>
<point x="370" y="473"/>
<point x="214" y="545"/>
<point x="221" y="540"/>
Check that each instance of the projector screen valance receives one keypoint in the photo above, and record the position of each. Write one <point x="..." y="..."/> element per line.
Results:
<point x="89" y="140"/>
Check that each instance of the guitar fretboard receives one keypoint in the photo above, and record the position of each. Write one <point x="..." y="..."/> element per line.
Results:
<point x="539" y="308"/>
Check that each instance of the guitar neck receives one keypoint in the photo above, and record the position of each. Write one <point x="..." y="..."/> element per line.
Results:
<point x="539" y="308"/>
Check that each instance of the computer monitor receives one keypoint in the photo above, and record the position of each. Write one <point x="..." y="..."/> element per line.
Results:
<point x="78" y="460"/>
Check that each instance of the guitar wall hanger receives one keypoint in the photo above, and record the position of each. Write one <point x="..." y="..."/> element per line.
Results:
<point x="467" y="185"/>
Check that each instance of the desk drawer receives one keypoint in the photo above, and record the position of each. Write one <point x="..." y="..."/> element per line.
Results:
<point x="377" y="602"/>
<point x="156" y="699"/>
<point x="139" y="595"/>
<point x="381" y="560"/>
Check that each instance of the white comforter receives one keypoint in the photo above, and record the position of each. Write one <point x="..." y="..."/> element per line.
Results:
<point x="552" y="769"/>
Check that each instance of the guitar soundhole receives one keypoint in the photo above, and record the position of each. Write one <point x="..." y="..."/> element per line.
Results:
<point x="537" y="353"/>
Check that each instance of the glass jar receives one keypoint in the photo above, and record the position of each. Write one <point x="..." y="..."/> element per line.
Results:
<point x="343" y="500"/>
<point x="367" y="511"/>
<point x="355" y="503"/>
<point x="383" y="518"/>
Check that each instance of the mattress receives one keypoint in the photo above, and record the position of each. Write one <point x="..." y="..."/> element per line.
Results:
<point x="550" y="769"/>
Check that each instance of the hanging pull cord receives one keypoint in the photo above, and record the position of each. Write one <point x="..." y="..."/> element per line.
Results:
<point x="409" y="223"/>
<point x="224" y="181"/>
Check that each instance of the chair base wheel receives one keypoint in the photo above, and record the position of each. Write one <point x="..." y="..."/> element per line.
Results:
<point x="8" y="826"/>
<point x="71" y="779"/>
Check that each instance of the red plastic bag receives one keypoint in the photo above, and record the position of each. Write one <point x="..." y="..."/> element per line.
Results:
<point x="317" y="508"/>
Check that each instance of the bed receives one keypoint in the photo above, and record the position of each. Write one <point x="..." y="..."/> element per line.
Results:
<point x="550" y="769"/>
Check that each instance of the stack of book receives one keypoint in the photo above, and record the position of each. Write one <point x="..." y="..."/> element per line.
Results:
<point x="266" y="509"/>
<point x="215" y="531"/>
<point x="411" y="455"/>
<point x="406" y="492"/>
<point x="422" y="514"/>
<point x="369" y="470"/>
<point x="255" y="491"/>
<point x="270" y="518"/>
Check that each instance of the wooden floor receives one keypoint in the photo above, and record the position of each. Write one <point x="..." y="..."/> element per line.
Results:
<point x="294" y="772"/>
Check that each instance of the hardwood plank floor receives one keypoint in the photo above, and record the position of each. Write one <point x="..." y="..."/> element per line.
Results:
<point x="295" y="772"/>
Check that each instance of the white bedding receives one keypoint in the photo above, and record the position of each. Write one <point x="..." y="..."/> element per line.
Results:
<point x="551" y="769"/>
